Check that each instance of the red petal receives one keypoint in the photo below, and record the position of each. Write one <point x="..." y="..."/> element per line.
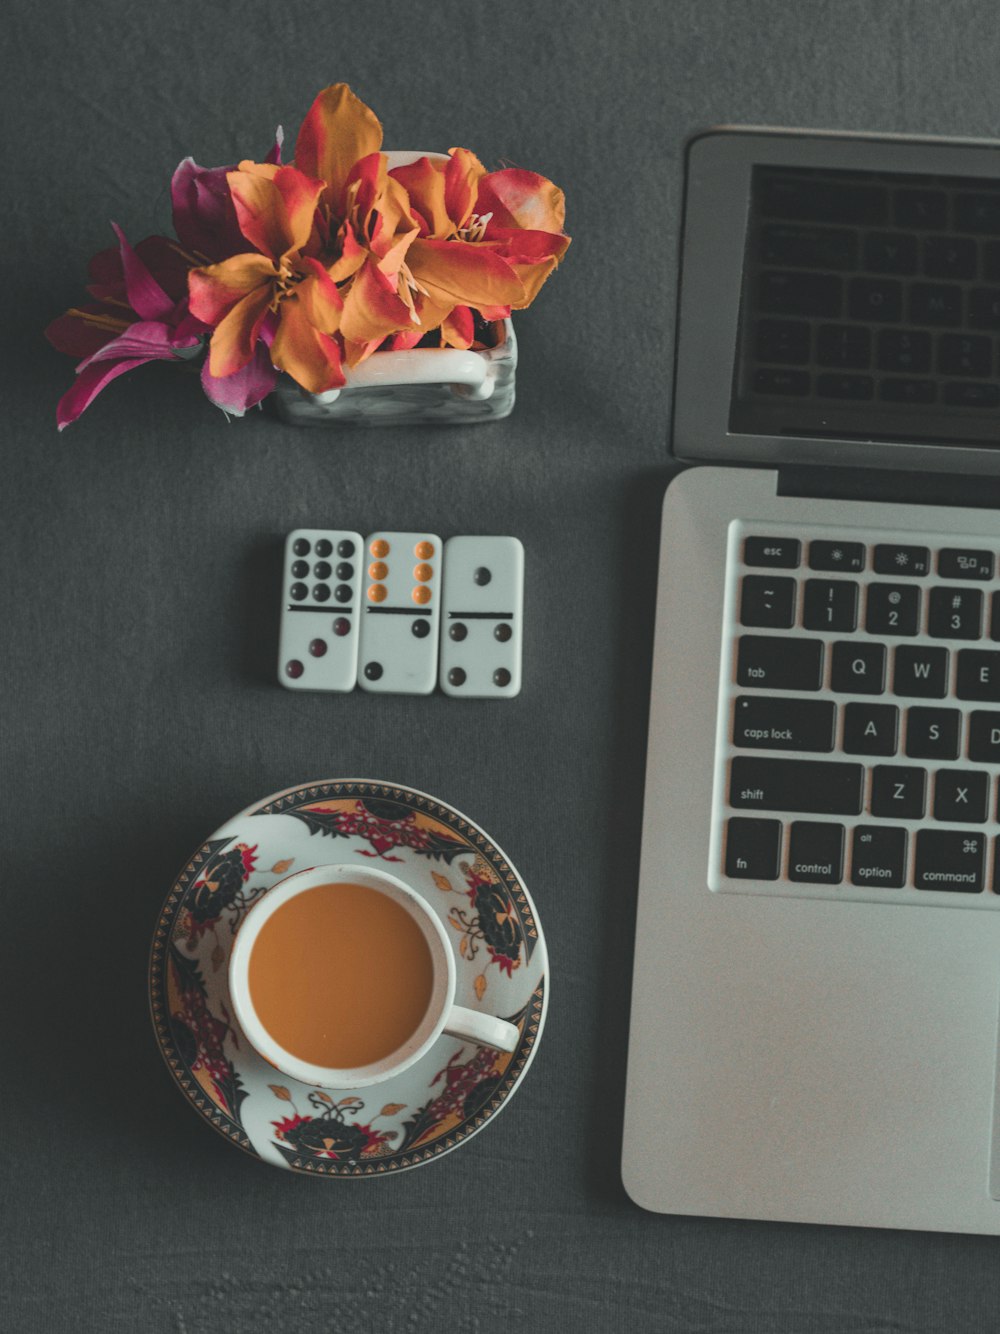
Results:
<point x="310" y="357"/>
<point x="337" y="131"/>
<point x="146" y="297"/>
<point x="89" y="384"/>
<point x="236" y="335"/>
<point x="519" y="198"/>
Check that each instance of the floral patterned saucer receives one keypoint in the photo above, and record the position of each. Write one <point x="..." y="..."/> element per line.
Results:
<point x="425" y="1111"/>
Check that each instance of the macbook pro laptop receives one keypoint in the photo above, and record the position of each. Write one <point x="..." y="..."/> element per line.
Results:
<point x="817" y="971"/>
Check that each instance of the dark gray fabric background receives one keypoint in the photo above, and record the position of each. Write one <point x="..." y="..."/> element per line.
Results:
<point x="139" y="615"/>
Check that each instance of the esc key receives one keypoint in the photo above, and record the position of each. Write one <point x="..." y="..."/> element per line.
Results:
<point x="782" y="553"/>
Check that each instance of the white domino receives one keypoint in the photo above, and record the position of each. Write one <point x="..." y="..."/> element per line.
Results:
<point x="400" y="613"/>
<point x="481" y="617"/>
<point x="320" y="610"/>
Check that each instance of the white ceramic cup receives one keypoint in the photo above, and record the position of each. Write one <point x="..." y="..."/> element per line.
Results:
<point x="442" y="1014"/>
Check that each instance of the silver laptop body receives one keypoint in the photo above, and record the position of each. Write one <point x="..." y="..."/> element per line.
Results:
<point x="819" y="1042"/>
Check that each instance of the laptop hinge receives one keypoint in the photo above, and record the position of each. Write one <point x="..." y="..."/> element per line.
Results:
<point x="887" y="486"/>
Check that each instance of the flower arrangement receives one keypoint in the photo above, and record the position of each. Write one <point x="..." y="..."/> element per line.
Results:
<point x="312" y="267"/>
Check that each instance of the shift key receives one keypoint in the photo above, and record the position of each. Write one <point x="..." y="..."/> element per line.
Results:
<point x="809" y="787"/>
<point x="779" y="663"/>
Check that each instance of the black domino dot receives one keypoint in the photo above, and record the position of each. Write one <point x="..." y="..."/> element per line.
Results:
<point x="458" y="631"/>
<point x="324" y="547"/>
<point x="341" y="626"/>
<point x="298" y="592"/>
<point x="321" y="592"/>
<point x="343" y="592"/>
<point x="301" y="547"/>
<point x="482" y="576"/>
<point x="345" y="548"/>
<point x="294" y="669"/>
<point x="456" y="677"/>
<point x="502" y="632"/>
<point x="317" y="648"/>
<point x="322" y="569"/>
<point x="373" y="670"/>
<point x="300" y="569"/>
<point x="501" y="677"/>
<point x="345" y="570"/>
<point x="421" y="628"/>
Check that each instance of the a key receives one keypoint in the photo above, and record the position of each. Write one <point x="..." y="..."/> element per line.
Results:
<point x="783" y="293"/>
<point x="816" y="853"/>
<point x="830" y="604"/>
<point x="778" y="552"/>
<point x="870" y="729"/>
<point x="955" y="613"/>
<point x="984" y="736"/>
<point x="767" y="602"/>
<point x="786" y="341"/>
<point x="922" y="672"/>
<point x="979" y="674"/>
<point x="753" y="849"/>
<point x="765" y="723"/>
<point x="837" y="556"/>
<point x="892" y="609"/>
<point x="892" y="558"/>
<point x="878" y="856"/>
<point x="779" y="664"/>
<point x="950" y="859"/>
<point x="958" y="563"/>
<point x="898" y="792"/>
<point x="932" y="734"/>
<point x="812" y="787"/>
<point x="858" y="668"/>
<point x="961" y="794"/>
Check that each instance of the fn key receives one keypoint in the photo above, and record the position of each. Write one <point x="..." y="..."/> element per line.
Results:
<point x="753" y="849"/>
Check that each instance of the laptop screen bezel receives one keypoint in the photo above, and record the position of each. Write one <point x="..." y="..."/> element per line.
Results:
<point x="720" y="164"/>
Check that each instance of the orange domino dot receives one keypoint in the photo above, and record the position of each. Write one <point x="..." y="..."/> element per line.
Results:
<point x="424" y="550"/>
<point x="423" y="573"/>
<point x="377" y="570"/>
<point x="421" y="594"/>
<point x="379" y="548"/>
<point x="377" y="592"/>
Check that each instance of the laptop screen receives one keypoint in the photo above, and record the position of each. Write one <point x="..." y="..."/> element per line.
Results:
<point x="870" y="307"/>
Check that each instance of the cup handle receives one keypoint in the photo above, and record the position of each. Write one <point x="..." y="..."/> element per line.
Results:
<point x="481" y="1028"/>
<point x="469" y="374"/>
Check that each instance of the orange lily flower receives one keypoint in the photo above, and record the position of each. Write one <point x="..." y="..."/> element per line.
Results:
<point x="283" y="279"/>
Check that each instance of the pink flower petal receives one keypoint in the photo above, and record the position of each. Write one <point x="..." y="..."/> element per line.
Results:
<point x="89" y="384"/>
<point x="204" y="215"/>
<point x="146" y="297"/>
<point x="243" y="389"/>
<point x="150" y="340"/>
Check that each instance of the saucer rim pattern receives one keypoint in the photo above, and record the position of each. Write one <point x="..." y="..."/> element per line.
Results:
<point x="533" y="1010"/>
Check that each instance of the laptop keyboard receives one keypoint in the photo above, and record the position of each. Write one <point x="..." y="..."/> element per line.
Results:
<point x="870" y="292"/>
<point x="859" y="719"/>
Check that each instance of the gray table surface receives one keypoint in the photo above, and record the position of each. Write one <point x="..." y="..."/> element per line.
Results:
<point x="141" y="553"/>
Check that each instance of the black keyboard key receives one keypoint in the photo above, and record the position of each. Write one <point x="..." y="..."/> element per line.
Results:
<point x="786" y="341"/>
<point x="807" y="200"/>
<point x="907" y="391"/>
<point x="848" y="346"/>
<point x="984" y="307"/>
<point x="767" y="602"/>
<point x="812" y="787"/>
<point x="892" y="609"/>
<point x="991" y="260"/>
<point x="890" y="252"/>
<point x="950" y="257"/>
<point x="870" y="729"/>
<point x="984" y="736"/>
<point x="965" y="354"/>
<point x="779" y="664"/>
<point x="809" y="247"/>
<point x="921" y="672"/>
<point x="995" y="617"/>
<point x="898" y="792"/>
<point x="753" y="849"/>
<point x="858" y="668"/>
<point x="878" y="856"/>
<point x="789" y="384"/>
<point x="920" y="208"/>
<point x="965" y="563"/>
<point x="935" y="303"/>
<point x="955" y="613"/>
<point x="978" y="213"/>
<point x="878" y="299"/>
<point x="791" y="293"/>
<point x="816" y="853"/>
<point x="891" y="558"/>
<point x="950" y="859"/>
<point x="961" y="794"/>
<point x="837" y="556"/>
<point x="780" y="553"/>
<point x="906" y="351"/>
<point x="830" y="604"/>
<point x="970" y="395"/>
<point x="860" y="387"/>
<point x="932" y="734"/>
<point x="979" y="675"/>
<point x="765" y="723"/>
